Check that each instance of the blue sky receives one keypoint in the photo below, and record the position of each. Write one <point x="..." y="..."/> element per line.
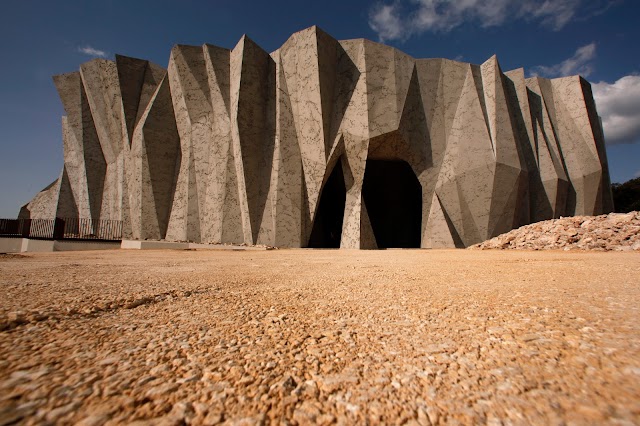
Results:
<point x="38" y="38"/>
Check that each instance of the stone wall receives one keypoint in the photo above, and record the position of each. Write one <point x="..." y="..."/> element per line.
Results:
<point x="236" y="146"/>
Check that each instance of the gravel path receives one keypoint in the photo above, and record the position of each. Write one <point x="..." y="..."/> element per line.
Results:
<point x="320" y="337"/>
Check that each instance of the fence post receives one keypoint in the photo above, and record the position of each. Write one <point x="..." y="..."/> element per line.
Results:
<point x="58" y="229"/>
<point x="26" y="227"/>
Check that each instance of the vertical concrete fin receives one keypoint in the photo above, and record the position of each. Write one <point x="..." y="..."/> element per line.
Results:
<point x="163" y="157"/>
<point x="131" y="77"/>
<point x="255" y="120"/>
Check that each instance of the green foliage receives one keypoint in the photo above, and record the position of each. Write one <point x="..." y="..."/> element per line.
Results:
<point x="626" y="196"/>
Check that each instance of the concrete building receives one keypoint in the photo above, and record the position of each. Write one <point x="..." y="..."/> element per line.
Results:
<point x="323" y="143"/>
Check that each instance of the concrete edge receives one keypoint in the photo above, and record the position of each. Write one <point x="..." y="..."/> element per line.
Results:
<point x="170" y="245"/>
<point x="22" y="245"/>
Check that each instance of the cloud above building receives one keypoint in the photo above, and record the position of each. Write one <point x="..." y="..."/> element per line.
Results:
<point x="618" y="105"/>
<point x="579" y="63"/>
<point x="91" y="51"/>
<point x="399" y="20"/>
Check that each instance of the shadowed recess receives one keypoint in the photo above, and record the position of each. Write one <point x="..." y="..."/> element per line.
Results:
<point x="393" y="197"/>
<point x="327" y="228"/>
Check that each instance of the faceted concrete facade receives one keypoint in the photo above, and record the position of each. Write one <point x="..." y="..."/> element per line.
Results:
<point x="238" y="146"/>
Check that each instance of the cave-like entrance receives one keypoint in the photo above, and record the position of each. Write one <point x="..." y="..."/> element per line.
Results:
<point x="327" y="227"/>
<point x="393" y="197"/>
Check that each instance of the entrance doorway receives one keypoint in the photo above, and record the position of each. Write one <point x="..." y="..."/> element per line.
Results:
<point x="327" y="227"/>
<point x="393" y="197"/>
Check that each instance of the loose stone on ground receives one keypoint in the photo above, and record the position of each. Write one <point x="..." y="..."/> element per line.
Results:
<point x="612" y="232"/>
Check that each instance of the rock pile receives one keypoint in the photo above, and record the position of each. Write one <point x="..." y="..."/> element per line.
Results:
<point x="615" y="231"/>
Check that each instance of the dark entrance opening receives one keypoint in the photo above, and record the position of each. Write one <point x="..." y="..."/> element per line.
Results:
<point x="327" y="228"/>
<point x="393" y="197"/>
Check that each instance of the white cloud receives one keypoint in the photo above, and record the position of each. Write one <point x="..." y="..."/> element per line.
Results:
<point x="619" y="106"/>
<point x="579" y="63"/>
<point x="387" y="23"/>
<point x="554" y="14"/>
<point x="393" y="22"/>
<point x="88" y="50"/>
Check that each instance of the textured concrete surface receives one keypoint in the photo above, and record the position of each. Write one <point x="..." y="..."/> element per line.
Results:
<point x="242" y="146"/>
<point x="168" y="245"/>
<point x="320" y="337"/>
<point x="21" y="245"/>
<point x="11" y="245"/>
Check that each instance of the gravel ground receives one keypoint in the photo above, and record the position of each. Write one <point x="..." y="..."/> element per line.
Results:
<point x="320" y="337"/>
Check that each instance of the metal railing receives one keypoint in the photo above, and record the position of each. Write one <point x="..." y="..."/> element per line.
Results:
<point x="62" y="229"/>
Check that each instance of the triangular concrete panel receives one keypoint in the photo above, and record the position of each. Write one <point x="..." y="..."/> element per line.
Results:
<point x="131" y="73"/>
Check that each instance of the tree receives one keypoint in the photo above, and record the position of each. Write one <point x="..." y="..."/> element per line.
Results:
<point x="626" y="196"/>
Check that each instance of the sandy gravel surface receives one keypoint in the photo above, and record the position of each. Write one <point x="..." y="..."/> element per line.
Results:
<point x="320" y="337"/>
